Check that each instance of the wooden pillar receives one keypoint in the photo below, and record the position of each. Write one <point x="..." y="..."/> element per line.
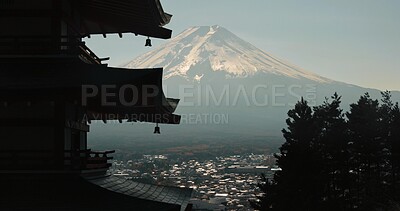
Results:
<point x="59" y="133"/>
<point x="56" y="24"/>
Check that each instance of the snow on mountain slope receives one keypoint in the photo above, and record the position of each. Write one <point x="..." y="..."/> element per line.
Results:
<point x="219" y="49"/>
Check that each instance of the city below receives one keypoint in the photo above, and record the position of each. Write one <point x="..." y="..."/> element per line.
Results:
<point x="222" y="183"/>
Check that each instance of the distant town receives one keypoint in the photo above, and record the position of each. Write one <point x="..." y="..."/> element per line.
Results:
<point x="222" y="183"/>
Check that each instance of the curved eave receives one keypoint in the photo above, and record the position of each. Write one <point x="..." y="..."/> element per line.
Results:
<point x="94" y="28"/>
<point x="164" y="18"/>
<point x="145" y="17"/>
<point x="72" y="78"/>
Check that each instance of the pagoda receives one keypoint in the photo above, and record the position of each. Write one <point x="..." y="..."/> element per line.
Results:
<point x="52" y="86"/>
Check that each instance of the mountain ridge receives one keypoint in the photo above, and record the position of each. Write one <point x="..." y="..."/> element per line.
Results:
<point x="254" y="102"/>
<point x="223" y="51"/>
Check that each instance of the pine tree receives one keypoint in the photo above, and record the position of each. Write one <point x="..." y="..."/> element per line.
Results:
<point x="366" y="148"/>
<point x="395" y="153"/>
<point x="329" y="163"/>
<point x="332" y="137"/>
<point x="268" y="197"/>
<point x="386" y="113"/>
<point x="390" y="117"/>
<point x="298" y="184"/>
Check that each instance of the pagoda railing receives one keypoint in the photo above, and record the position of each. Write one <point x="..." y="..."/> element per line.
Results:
<point x="26" y="159"/>
<point x="43" y="159"/>
<point x="87" y="159"/>
<point x="43" y="45"/>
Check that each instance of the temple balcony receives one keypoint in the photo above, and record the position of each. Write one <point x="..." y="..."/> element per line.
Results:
<point x="79" y="161"/>
<point x="87" y="159"/>
<point x="47" y="47"/>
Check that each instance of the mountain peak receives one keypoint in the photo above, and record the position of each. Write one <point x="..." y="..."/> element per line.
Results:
<point x="218" y="49"/>
<point x="206" y="28"/>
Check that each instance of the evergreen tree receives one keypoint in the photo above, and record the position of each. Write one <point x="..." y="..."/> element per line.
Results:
<point x="366" y="152"/>
<point x="386" y="112"/>
<point x="395" y="153"/>
<point x="328" y="163"/>
<point x="331" y="135"/>
<point x="268" y="196"/>
<point x="298" y="184"/>
<point x="390" y="117"/>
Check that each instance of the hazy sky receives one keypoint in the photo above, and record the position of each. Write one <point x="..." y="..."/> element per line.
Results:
<point x="354" y="41"/>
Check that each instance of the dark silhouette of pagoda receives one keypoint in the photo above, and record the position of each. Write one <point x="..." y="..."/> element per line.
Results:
<point x="52" y="86"/>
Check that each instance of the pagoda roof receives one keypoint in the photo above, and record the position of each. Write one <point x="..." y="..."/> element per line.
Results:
<point x="56" y="191"/>
<point x="43" y="79"/>
<point x="141" y="17"/>
<point x="157" y="193"/>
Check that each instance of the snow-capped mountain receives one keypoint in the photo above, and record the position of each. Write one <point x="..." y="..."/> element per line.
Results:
<point x="222" y="51"/>
<point x="217" y="75"/>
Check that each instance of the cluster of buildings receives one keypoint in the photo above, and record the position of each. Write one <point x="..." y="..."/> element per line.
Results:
<point x="222" y="183"/>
